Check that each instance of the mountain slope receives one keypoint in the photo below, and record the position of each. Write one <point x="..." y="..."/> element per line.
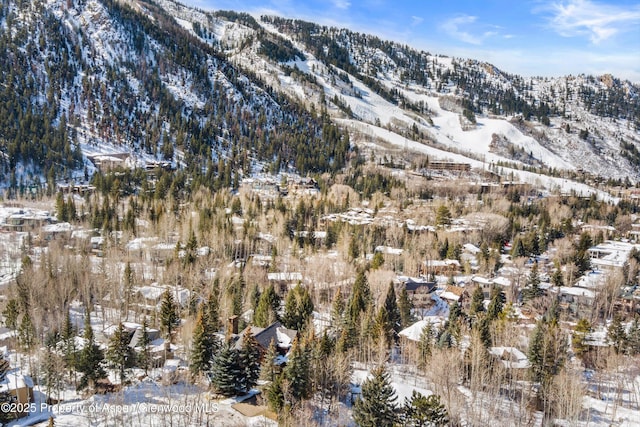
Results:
<point x="219" y="93"/>
<point x="107" y="76"/>
<point x="578" y="122"/>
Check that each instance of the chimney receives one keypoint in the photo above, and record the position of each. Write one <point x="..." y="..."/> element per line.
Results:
<point x="232" y="326"/>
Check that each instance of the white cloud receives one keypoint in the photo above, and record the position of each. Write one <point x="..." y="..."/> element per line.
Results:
<point x="596" y="21"/>
<point x="465" y="28"/>
<point x="452" y="27"/>
<point x="416" y="20"/>
<point x="342" y="4"/>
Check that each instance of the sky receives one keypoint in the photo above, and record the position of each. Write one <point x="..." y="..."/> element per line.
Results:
<point x="547" y="38"/>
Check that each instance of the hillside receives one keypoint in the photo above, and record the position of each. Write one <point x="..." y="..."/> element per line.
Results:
<point x="101" y="76"/>
<point x="216" y="92"/>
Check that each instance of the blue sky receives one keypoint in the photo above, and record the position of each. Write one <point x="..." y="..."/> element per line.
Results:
<point x="531" y="38"/>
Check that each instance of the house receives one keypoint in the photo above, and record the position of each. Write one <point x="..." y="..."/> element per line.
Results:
<point x="446" y="267"/>
<point x="58" y="230"/>
<point x="150" y="296"/>
<point x="414" y="332"/>
<point x="419" y="291"/>
<point x="281" y="336"/>
<point x="411" y="335"/>
<point x="283" y="281"/>
<point x="511" y="358"/>
<point x="453" y="294"/>
<point x="19" y="219"/>
<point x="20" y="387"/>
<point x="610" y="255"/>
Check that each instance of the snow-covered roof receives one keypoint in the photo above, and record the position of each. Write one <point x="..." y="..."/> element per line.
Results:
<point x="388" y="250"/>
<point x="60" y="227"/>
<point x="511" y="357"/>
<point x="502" y="281"/>
<point x="414" y="331"/>
<point x="154" y="293"/>
<point x="15" y="381"/>
<point x="481" y="280"/>
<point x="285" y="276"/>
<point x="452" y="293"/>
<point x="471" y="248"/>
<point x="611" y="253"/>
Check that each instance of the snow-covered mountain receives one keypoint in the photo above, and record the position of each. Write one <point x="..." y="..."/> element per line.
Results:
<point x="221" y="92"/>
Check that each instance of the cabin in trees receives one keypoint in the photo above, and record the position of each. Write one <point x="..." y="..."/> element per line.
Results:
<point x="449" y="166"/>
<point x="281" y="337"/>
<point x="419" y="291"/>
<point x="80" y="189"/>
<point x="283" y="281"/>
<point x="512" y="359"/>
<point x="150" y="297"/>
<point x="446" y="267"/>
<point x="18" y="219"/>
<point x="20" y="387"/>
<point x="61" y="230"/>
<point x="107" y="162"/>
<point x="454" y="294"/>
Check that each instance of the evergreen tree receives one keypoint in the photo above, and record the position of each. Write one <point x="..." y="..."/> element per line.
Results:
<point x="477" y="301"/>
<point x="51" y="364"/>
<point x="268" y="368"/>
<point x="382" y="327"/>
<point x="69" y="343"/>
<point x="266" y="312"/>
<point x="337" y="312"/>
<point x="532" y="289"/>
<point x="377" y="404"/>
<point x="360" y="299"/>
<point x="425" y="345"/>
<point x="377" y="261"/>
<point x="496" y="304"/>
<point x="518" y="250"/>
<point x="27" y="334"/>
<point x="226" y="371"/>
<point x="91" y="359"/>
<point x="617" y="335"/>
<point x="249" y="359"/>
<point x="547" y="354"/>
<point x="456" y="317"/>
<point x="424" y="411"/>
<point x="11" y="313"/>
<point x="201" y="345"/>
<point x="556" y="277"/>
<point x="144" y="345"/>
<point x="579" y="338"/>
<point x="443" y="216"/>
<point x="213" y="307"/>
<point x="169" y="319"/>
<point x="547" y="351"/>
<point x="393" y="312"/>
<point x="191" y="249"/>
<point x="445" y="340"/>
<point x="633" y="338"/>
<point x="128" y="285"/>
<point x="405" y="306"/>
<point x="275" y="395"/>
<point x="119" y="354"/>
<point x="484" y="331"/>
<point x="298" y="308"/>
<point x="297" y="372"/>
